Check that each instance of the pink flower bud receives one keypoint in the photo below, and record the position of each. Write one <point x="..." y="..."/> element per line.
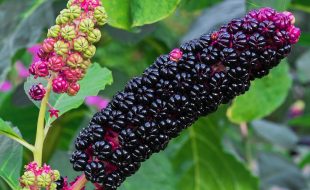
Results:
<point x="55" y="63"/>
<point x="88" y="4"/>
<point x="37" y="92"/>
<point x="48" y="45"/>
<point x="294" y="34"/>
<point x="60" y="85"/>
<point x="73" y="89"/>
<point x="39" y="68"/>
<point x="175" y="54"/>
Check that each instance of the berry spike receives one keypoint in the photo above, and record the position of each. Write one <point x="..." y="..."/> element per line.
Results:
<point x="177" y="89"/>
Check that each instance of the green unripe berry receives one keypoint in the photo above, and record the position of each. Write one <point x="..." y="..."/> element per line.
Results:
<point x="90" y="52"/>
<point x="28" y="178"/>
<point x="86" y="25"/>
<point x="74" y="60"/>
<point x="60" y="19"/>
<point x="61" y="48"/>
<point x="56" y="175"/>
<point x="100" y="15"/>
<point x="74" y="12"/>
<point x="53" y="31"/>
<point x="69" y="4"/>
<point x="94" y="36"/>
<point x="68" y="32"/>
<point x="80" y="44"/>
<point x="84" y="65"/>
<point x="53" y="186"/>
<point x="44" y="180"/>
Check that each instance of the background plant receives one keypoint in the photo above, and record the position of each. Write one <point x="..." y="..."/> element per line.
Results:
<point x="262" y="138"/>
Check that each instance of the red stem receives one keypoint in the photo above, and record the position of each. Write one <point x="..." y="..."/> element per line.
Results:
<point x="79" y="183"/>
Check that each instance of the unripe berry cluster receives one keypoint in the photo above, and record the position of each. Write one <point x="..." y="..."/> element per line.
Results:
<point x="177" y="89"/>
<point x="36" y="177"/>
<point x="65" y="55"/>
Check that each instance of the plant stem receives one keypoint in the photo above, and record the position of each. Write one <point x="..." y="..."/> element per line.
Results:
<point x="23" y="142"/>
<point x="79" y="183"/>
<point x="245" y="136"/>
<point x="37" y="154"/>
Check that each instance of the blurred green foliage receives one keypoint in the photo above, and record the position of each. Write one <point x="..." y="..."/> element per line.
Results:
<point x="227" y="150"/>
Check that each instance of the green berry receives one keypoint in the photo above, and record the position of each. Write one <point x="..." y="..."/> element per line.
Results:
<point x="94" y="36"/>
<point x="90" y="52"/>
<point x="74" y="12"/>
<point x="61" y="47"/>
<point x="53" y="31"/>
<point x="28" y="178"/>
<point x="80" y="44"/>
<point x="74" y="59"/>
<point x="68" y="32"/>
<point x="86" y="25"/>
<point x="44" y="180"/>
<point x="56" y="175"/>
<point x="100" y="15"/>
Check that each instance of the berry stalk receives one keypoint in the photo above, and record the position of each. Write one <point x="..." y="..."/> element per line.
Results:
<point x="37" y="153"/>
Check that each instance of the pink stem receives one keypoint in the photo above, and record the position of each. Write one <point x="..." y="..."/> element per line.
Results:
<point x="79" y="183"/>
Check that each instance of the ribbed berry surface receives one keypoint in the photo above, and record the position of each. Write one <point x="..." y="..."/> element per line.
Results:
<point x="177" y="89"/>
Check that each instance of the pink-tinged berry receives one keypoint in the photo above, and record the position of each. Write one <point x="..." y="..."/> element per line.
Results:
<point x="175" y="54"/>
<point x="60" y="85"/>
<point x="48" y="44"/>
<point x="290" y="16"/>
<point x="281" y="20"/>
<point x="43" y="55"/>
<point x="294" y="34"/>
<point x="74" y="60"/>
<point x="55" y="63"/>
<point x="53" y="113"/>
<point x="73" y="75"/>
<point x="262" y="14"/>
<point x="37" y="92"/>
<point x="73" y="89"/>
<point x="39" y="69"/>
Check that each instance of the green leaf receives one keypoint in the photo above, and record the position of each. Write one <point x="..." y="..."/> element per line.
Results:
<point x="277" y="170"/>
<point x="279" y="5"/>
<point x="29" y="18"/>
<point x="265" y="95"/>
<point x="11" y="154"/>
<point x="301" y="121"/>
<point x="304" y="38"/>
<point x="95" y="80"/>
<point x="126" y="14"/>
<point x="192" y="5"/>
<point x="145" y="178"/>
<point x="5" y="129"/>
<point x="13" y="109"/>
<point x="303" y="67"/>
<point x="200" y="162"/>
<point x="275" y="133"/>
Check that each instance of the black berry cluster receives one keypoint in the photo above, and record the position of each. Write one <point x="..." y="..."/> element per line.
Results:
<point x="177" y="89"/>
